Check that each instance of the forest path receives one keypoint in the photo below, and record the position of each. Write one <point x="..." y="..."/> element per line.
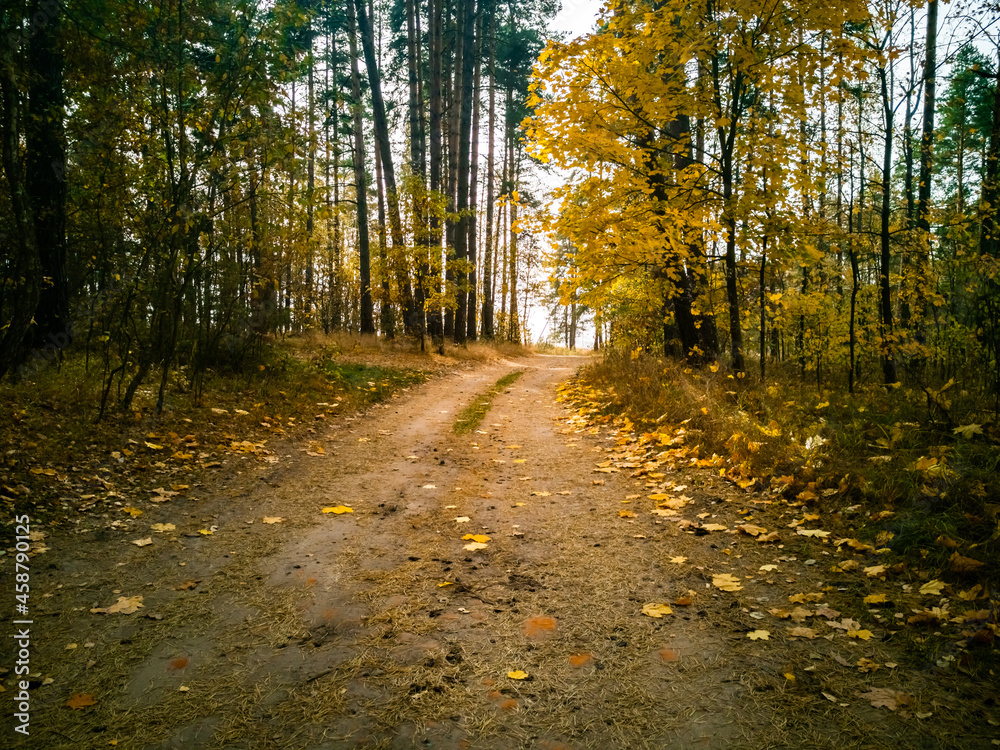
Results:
<point x="379" y="629"/>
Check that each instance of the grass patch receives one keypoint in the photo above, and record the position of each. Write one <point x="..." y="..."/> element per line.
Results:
<point x="470" y="417"/>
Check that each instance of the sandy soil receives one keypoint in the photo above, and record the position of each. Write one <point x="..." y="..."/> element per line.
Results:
<point x="378" y="628"/>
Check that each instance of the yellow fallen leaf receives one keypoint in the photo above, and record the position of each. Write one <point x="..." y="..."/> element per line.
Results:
<point x="932" y="588"/>
<point x="132" y="511"/>
<point x="626" y="514"/>
<point x="445" y="583"/>
<point x="462" y="519"/>
<point x="339" y="509"/>
<point x="812" y="532"/>
<point x="864" y="635"/>
<point x="726" y="582"/>
<point x="273" y="519"/>
<point x="162" y="527"/>
<point x="519" y="460"/>
<point x="679" y="560"/>
<point x="81" y="700"/>
<point x="481" y="538"/>
<point x="517" y="674"/>
<point x="714" y="527"/>
<point x="876" y="599"/>
<point x="125" y="605"/>
<point x="656" y="610"/>
<point x="154" y="446"/>
<point x="473" y="546"/>
<point x="767" y="568"/>
<point x="205" y="532"/>
<point x="759" y="635"/>
<point x="875" y="571"/>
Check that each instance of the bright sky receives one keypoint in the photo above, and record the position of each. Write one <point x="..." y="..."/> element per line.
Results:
<point x="577" y="17"/>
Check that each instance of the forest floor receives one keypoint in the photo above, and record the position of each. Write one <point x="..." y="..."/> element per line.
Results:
<point x="322" y="590"/>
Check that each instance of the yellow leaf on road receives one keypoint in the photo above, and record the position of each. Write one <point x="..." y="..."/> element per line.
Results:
<point x="339" y="509"/>
<point x="517" y="674"/>
<point x="125" y="605"/>
<point x="932" y="588"/>
<point x="656" y="610"/>
<point x="206" y="532"/>
<point x="759" y="635"/>
<point x="482" y="538"/>
<point x="726" y="582"/>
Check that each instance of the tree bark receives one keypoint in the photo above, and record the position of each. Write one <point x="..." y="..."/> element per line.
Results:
<point x="367" y="311"/>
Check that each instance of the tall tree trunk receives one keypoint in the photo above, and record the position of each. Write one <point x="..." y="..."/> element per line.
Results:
<point x="488" y="244"/>
<point x="464" y="78"/>
<point x="385" y="151"/>
<point x="367" y="311"/>
<point x="885" y="256"/>
<point x="45" y="172"/>
<point x="418" y="166"/>
<point x="474" y="177"/>
<point x="435" y="322"/>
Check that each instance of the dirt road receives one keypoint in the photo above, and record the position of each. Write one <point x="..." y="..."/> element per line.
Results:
<point x="378" y="628"/>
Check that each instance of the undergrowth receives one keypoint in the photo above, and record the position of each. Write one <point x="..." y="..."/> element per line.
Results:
<point x="53" y="452"/>
<point x="883" y="462"/>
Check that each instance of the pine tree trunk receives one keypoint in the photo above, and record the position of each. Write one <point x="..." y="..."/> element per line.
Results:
<point x="367" y="322"/>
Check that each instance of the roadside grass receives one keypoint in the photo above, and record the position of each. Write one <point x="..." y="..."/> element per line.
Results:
<point x="472" y="415"/>
<point x="886" y="465"/>
<point x="55" y="457"/>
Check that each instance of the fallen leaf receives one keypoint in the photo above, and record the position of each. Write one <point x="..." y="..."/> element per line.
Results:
<point x="462" y="519"/>
<point x="751" y="529"/>
<point x="864" y="635"/>
<point x="429" y="487"/>
<point x="125" y="605"/>
<point x="473" y="546"/>
<point x="626" y="514"/>
<point x="875" y="571"/>
<point x="339" y="509"/>
<point x="132" y="511"/>
<point x="679" y="560"/>
<point x="759" y="635"/>
<point x="517" y="674"/>
<point x="802" y="632"/>
<point x="887" y="698"/>
<point x="812" y="532"/>
<point x="162" y="527"/>
<point x="81" y="700"/>
<point x="771" y="537"/>
<point x="142" y="542"/>
<point x="959" y="564"/>
<point x="867" y="665"/>
<point x="476" y="538"/>
<point x="446" y="583"/>
<point x="876" y="599"/>
<point x="273" y="519"/>
<point x="767" y="568"/>
<point x="726" y="582"/>
<point x="656" y="610"/>
<point x="187" y="585"/>
<point x="714" y="526"/>
<point x="932" y="588"/>
<point x="206" y="532"/>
